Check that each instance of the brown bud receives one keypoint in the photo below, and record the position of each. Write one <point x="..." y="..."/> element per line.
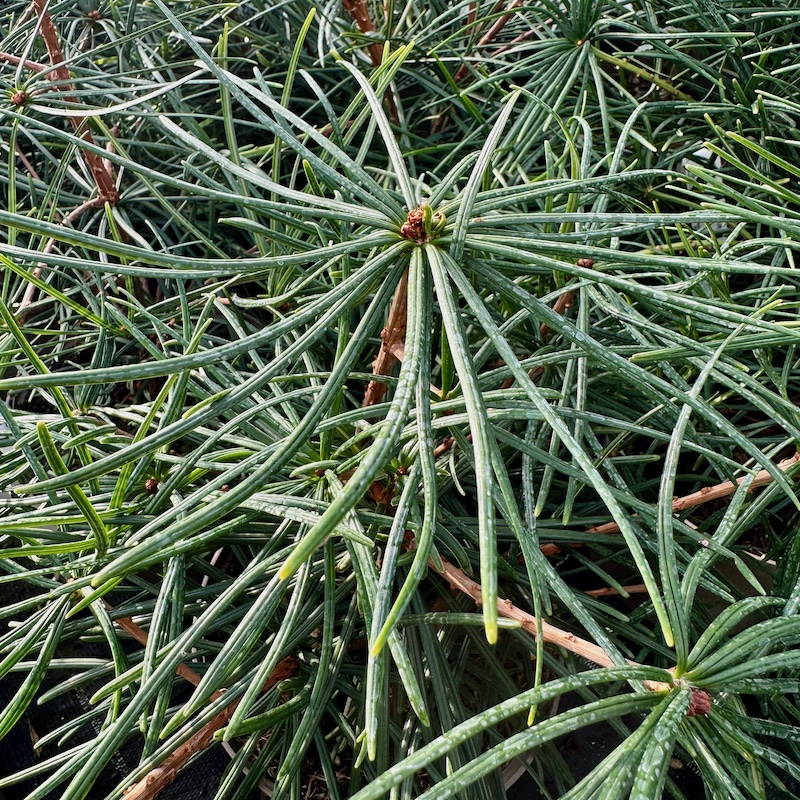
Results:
<point x="585" y="262"/>
<point x="95" y="15"/>
<point x="700" y="704"/>
<point x="151" y="485"/>
<point x="20" y="97"/>
<point x="413" y="228"/>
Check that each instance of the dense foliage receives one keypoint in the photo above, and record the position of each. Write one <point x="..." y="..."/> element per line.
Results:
<point x="575" y="224"/>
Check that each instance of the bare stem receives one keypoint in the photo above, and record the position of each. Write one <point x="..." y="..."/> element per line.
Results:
<point x="128" y="625"/>
<point x="489" y="36"/>
<point x="392" y="342"/>
<point x="608" y="591"/>
<point x="550" y="633"/>
<point x="358" y="10"/>
<point x="161" y="776"/>
<point x="30" y="289"/>
<point x="708" y="493"/>
<point x="12" y="59"/>
<point x="165" y="773"/>
<point x="106" y="184"/>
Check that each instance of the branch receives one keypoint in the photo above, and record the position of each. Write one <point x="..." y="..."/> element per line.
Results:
<point x="550" y="634"/>
<point x="565" y="301"/>
<point x="562" y="303"/>
<point x="105" y="180"/>
<point x="492" y="33"/>
<point x="489" y="36"/>
<point x="358" y="10"/>
<point x="161" y="776"/>
<point x="30" y="289"/>
<point x="34" y="65"/>
<point x="392" y="342"/>
<point x="608" y="591"/>
<point x="708" y="493"/>
<point x="187" y="673"/>
<point x="458" y="579"/>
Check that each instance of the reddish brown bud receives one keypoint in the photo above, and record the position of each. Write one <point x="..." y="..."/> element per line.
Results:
<point x="585" y="262"/>
<point x="95" y="15"/>
<point x="20" y="97"/>
<point x="700" y="704"/>
<point x="413" y="228"/>
<point x="151" y="485"/>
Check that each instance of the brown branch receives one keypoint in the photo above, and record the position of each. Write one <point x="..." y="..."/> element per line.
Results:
<point x="458" y="579"/>
<point x="636" y="588"/>
<point x="165" y="773"/>
<point x="562" y="303"/>
<point x="523" y="37"/>
<point x="359" y="12"/>
<point x="392" y="337"/>
<point x="161" y="776"/>
<point x="708" y="493"/>
<point x="106" y="184"/>
<point x="101" y="169"/>
<point x="463" y="71"/>
<point x="472" y="16"/>
<point x="447" y="445"/>
<point x="27" y="164"/>
<point x="30" y="289"/>
<point x="550" y="633"/>
<point x="491" y="35"/>
<point x="187" y="673"/>
<point x="34" y="65"/>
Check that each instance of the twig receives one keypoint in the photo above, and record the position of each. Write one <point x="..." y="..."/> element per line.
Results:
<point x="562" y="303"/>
<point x="708" y="493"/>
<point x="523" y="37"/>
<point x="392" y="341"/>
<point x="489" y="36"/>
<point x="359" y="12"/>
<point x="565" y="301"/>
<point x="28" y="166"/>
<point x="30" y="289"/>
<point x="463" y="71"/>
<point x="34" y="65"/>
<point x="105" y="180"/>
<point x="161" y="776"/>
<point x="101" y="169"/>
<point x="187" y="673"/>
<point x="550" y="633"/>
<point x="458" y="579"/>
<point x="636" y="588"/>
